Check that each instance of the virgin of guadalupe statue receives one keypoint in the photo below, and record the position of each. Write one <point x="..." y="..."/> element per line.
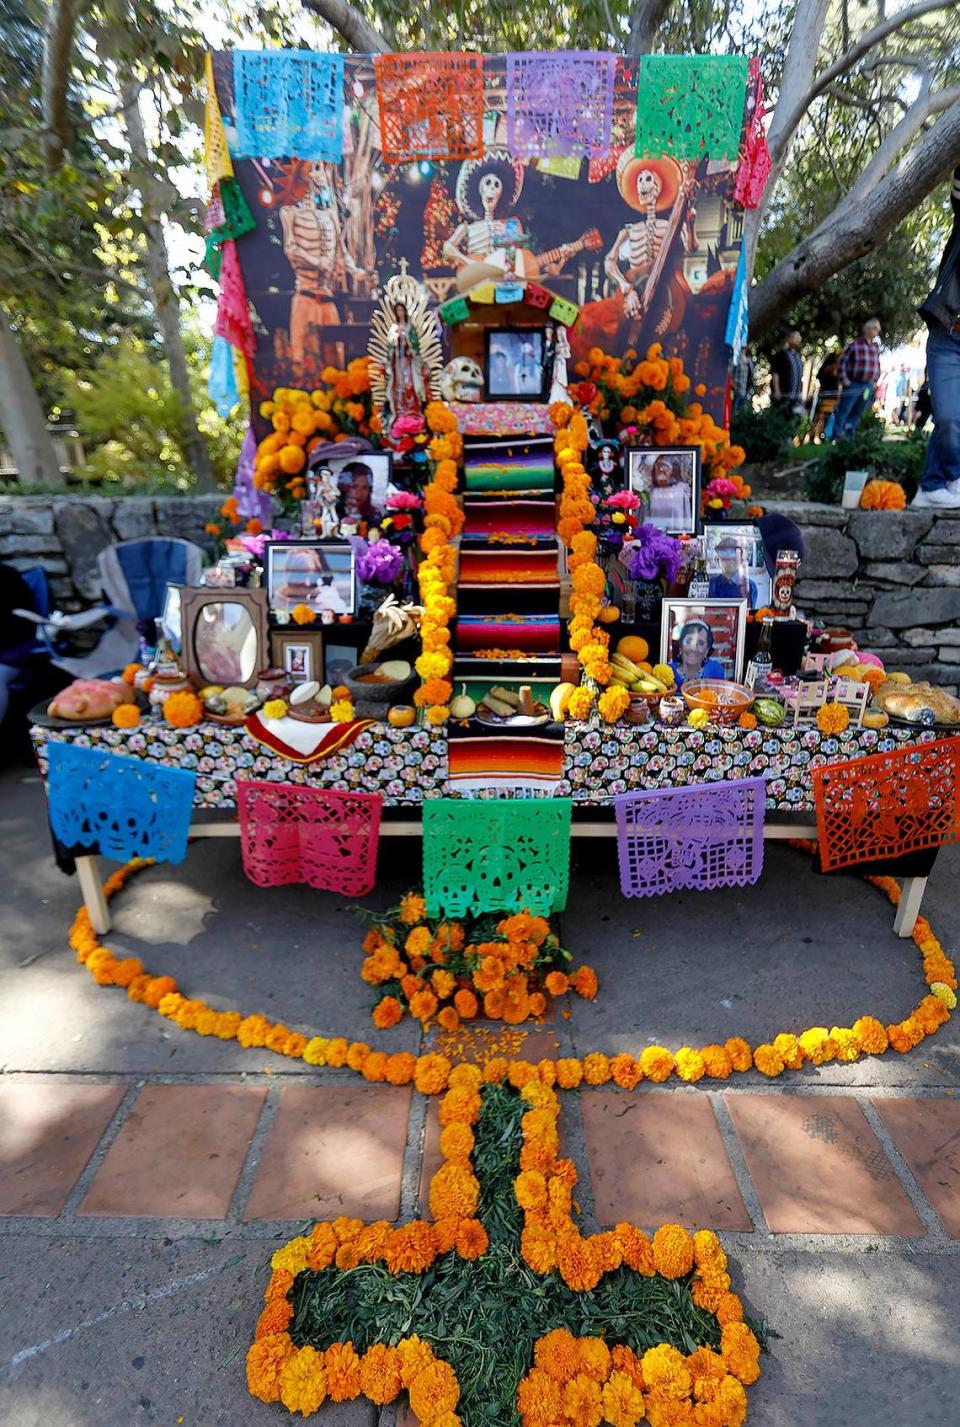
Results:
<point x="405" y="352"/>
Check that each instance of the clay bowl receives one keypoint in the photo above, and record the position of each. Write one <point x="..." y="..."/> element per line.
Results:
<point x="723" y="700"/>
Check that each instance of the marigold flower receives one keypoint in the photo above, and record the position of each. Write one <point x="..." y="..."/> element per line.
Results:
<point x="690" y="1065"/>
<point x="596" y="1069"/>
<point x="672" y="1251"/>
<point x="265" y="1362"/>
<point x="434" y="1390"/>
<point x="665" y="1371"/>
<point x="741" y="1056"/>
<point x="380" y="1374"/>
<point x="182" y="709"/>
<point x="466" y="1004"/>
<point x="400" y="1068"/>
<point x="411" y="1248"/>
<point x="832" y="718"/>
<point x="717" y="1062"/>
<point x="741" y="1352"/>
<point x="423" y="1005"/>
<point x="303" y="1381"/>
<point x="584" y="982"/>
<point x="767" y="1060"/>
<point x="656" y="1062"/>
<point x="558" y="1354"/>
<point x="569" y="1073"/>
<point x="303" y="614"/>
<point x="622" y="1401"/>
<point x="342" y="1365"/>
<point x="577" y="1261"/>
<point x="636" y="1248"/>
<point x="431" y="1074"/>
<point x="581" y="1400"/>
<point x="539" y="1398"/>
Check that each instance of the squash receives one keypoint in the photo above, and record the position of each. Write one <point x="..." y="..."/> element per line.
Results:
<point x="401" y="715"/>
<point x="462" y="706"/>
<point x="608" y="613"/>
<point x="559" y="699"/>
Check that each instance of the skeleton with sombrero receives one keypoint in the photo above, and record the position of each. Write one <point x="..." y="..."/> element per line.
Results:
<point x="659" y="190"/>
<point x="485" y="245"/>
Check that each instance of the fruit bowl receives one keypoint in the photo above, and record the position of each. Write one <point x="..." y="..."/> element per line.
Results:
<point x="722" y="699"/>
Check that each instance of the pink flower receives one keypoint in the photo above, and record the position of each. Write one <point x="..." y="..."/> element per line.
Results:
<point x="624" y="500"/>
<point x="409" y="425"/>
<point x="720" y="486"/>
<point x="404" y="500"/>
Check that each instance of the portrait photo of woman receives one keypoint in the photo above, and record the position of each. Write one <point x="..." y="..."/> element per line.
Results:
<point x="668" y="482"/>
<point x="703" y="639"/>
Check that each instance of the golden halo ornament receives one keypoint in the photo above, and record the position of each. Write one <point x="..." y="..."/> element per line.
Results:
<point x="666" y="169"/>
<point x="472" y="166"/>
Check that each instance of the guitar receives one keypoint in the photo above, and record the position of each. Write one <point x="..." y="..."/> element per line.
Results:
<point x="506" y="262"/>
<point x="662" y="304"/>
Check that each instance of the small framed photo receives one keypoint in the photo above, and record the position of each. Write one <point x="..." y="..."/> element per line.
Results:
<point x="314" y="573"/>
<point x="514" y="366"/>
<point x="299" y="653"/>
<point x="363" y="482"/>
<point x="703" y="639"/>
<point x="667" y="480"/>
<point x="605" y="464"/>
<point x="735" y="564"/>
<point x="170" y="621"/>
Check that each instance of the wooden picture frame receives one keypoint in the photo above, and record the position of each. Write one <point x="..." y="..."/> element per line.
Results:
<point x="298" y="652"/>
<point x="728" y="617"/>
<point x="201" y="665"/>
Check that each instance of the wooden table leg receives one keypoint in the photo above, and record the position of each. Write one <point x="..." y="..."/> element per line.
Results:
<point x="91" y="885"/>
<point x="909" y="908"/>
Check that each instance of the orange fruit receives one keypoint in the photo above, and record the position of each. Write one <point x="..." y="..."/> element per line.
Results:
<point x="609" y="614"/>
<point x="401" y="715"/>
<point x="632" y="646"/>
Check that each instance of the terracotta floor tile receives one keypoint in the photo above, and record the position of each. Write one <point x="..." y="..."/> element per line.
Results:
<point x="333" y="1150"/>
<point x="659" y="1158"/>
<point x="47" y="1135"/>
<point x="818" y="1167"/>
<point x="178" y="1154"/>
<point x="927" y="1134"/>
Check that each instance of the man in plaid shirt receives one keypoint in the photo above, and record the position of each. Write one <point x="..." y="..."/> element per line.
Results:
<point x="859" y="373"/>
<point x="940" y="482"/>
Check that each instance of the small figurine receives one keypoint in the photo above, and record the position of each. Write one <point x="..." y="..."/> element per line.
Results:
<point x="559" y="387"/>
<point x="320" y="512"/>
<point x="406" y="356"/>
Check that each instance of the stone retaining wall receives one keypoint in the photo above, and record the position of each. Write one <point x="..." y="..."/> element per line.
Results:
<point x="892" y="577"/>
<point x="65" y="534"/>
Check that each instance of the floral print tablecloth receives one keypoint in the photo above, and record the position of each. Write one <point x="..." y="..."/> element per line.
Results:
<point x="408" y="765"/>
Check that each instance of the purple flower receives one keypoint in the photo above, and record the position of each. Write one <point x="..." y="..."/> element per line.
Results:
<point x="652" y="555"/>
<point x="378" y="563"/>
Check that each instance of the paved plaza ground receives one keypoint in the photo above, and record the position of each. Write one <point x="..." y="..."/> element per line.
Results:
<point x="146" y="1173"/>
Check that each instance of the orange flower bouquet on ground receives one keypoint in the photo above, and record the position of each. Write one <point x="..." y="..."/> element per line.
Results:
<point x="452" y="971"/>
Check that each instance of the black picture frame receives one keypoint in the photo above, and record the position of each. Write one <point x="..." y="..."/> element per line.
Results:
<point x="685" y="518"/>
<point x="311" y="561"/>
<point x="509" y="384"/>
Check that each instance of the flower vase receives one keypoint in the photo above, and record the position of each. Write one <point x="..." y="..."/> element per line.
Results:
<point x="647" y="599"/>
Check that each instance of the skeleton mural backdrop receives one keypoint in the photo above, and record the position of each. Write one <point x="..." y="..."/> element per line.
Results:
<point x="646" y="247"/>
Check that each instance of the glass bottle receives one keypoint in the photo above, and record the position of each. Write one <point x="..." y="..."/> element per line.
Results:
<point x="699" y="587"/>
<point x="761" y="665"/>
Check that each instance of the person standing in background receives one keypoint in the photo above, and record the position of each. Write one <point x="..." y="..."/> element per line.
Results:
<point x="940" y="482"/>
<point x="828" y="394"/>
<point x="786" y="373"/>
<point x="859" y="373"/>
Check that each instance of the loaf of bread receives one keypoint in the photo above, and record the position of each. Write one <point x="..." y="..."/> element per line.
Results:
<point x="90" y="698"/>
<point x="909" y="700"/>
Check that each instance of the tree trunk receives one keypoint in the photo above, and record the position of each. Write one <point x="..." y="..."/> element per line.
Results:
<point x="648" y="16"/>
<point x="859" y="228"/>
<point x="354" y="27"/>
<point x="21" y="415"/>
<point x="58" y="33"/>
<point x="164" y="297"/>
<point x="795" y="82"/>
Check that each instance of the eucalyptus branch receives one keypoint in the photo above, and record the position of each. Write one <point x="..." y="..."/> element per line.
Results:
<point x="352" y="26"/>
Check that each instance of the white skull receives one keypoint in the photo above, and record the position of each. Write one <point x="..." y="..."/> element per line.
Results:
<point x="461" y="380"/>
<point x="648" y="186"/>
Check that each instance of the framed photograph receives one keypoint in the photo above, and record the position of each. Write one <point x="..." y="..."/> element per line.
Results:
<point x="338" y="660"/>
<point x="703" y="639"/>
<point x="605" y="464"/>
<point x="514" y="364"/>
<point x="667" y="480"/>
<point x="312" y="572"/>
<point x="299" y="653"/>
<point x="224" y="635"/>
<point x="735" y="564"/>
<point x="363" y="482"/>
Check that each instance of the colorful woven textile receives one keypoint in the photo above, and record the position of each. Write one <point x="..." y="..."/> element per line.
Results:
<point x="503" y="418"/>
<point x="289" y="104"/>
<point x="431" y="106"/>
<point x="512" y="761"/>
<point x="121" y="807"/>
<point x="215" y="152"/>
<point x="305" y="743"/>
<point x="559" y="104"/>
<point x="756" y="164"/>
<point x="690" y="838"/>
<point x="690" y="106"/>
<point x="888" y="804"/>
<point x="222" y="386"/>
<point x="327" y="840"/>
<point x="508" y="522"/>
<point x="496" y="856"/>
<point x="532" y="472"/>
<point x="530" y="633"/>
<point x="233" y="314"/>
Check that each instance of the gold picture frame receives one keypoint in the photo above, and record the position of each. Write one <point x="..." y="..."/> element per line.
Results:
<point x="299" y="653"/>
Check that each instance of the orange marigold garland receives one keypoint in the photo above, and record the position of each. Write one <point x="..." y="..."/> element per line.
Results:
<point x="429" y="1073"/>
<point x="436" y="573"/>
